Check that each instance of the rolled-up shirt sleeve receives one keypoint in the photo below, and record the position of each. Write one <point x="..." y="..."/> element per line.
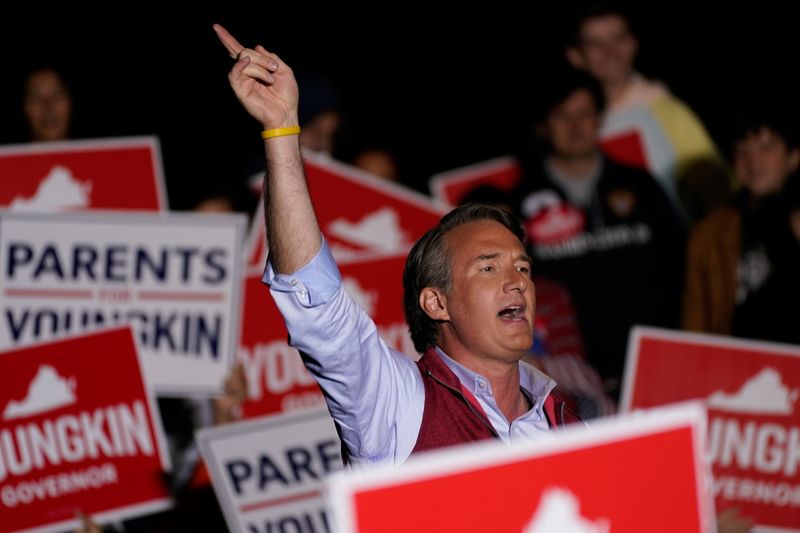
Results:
<point x="314" y="284"/>
<point x="374" y="393"/>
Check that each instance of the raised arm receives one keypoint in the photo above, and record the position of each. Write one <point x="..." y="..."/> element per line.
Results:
<point x="374" y="394"/>
<point x="266" y="87"/>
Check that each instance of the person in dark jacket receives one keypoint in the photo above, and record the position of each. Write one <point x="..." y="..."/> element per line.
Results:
<point x="744" y="258"/>
<point x="605" y="231"/>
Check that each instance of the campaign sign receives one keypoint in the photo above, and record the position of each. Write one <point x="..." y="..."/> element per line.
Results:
<point x="361" y="216"/>
<point x="176" y="279"/>
<point x="277" y="380"/>
<point x="121" y="174"/>
<point x="751" y="389"/>
<point x="78" y="430"/>
<point x="626" y="474"/>
<point x="268" y="473"/>
<point x="626" y="147"/>
<point x="450" y="187"/>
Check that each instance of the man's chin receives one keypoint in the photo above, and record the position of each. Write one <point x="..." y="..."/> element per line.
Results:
<point x="518" y="350"/>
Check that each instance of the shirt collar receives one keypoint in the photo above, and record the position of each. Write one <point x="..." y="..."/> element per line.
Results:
<point x="533" y="381"/>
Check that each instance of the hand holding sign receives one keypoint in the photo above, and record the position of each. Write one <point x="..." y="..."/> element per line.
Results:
<point x="263" y="83"/>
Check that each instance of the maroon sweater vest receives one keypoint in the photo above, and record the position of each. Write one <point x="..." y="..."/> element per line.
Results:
<point x="449" y="418"/>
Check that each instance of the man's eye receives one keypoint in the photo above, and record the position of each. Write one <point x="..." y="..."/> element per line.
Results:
<point x="487" y="268"/>
<point x="524" y="269"/>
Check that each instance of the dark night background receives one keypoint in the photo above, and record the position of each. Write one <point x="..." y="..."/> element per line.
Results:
<point x="442" y="91"/>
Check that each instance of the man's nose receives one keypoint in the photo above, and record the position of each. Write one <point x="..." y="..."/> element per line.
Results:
<point x="516" y="282"/>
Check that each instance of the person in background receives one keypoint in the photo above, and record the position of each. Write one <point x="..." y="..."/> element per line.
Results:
<point x="378" y="162"/>
<point x="607" y="232"/>
<point x="47" y="105"/>
<point x="319" y="132"/>
<point x="644" y="124"/>
<point x="357" y="145"/>
<point x="743" y="267"/>
<point x="216" y="195"/>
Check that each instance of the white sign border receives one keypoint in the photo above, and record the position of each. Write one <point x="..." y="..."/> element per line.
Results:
<point x="342" y="485"/>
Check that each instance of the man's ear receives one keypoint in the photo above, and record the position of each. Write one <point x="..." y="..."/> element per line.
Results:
<point x="575" y="57"/>
<point x="434" y="303"/>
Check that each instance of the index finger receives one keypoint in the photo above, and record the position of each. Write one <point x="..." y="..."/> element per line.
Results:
<point x="229" y="41"/>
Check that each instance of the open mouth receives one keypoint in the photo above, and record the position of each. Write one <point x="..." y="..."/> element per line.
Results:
<point x="513" y="312"/>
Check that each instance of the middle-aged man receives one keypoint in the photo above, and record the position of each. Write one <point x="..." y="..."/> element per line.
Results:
<point x="469" y="302"/>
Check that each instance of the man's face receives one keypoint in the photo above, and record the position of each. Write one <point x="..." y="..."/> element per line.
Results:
<point x="573" y="125"/>
<point x="491" y="302"/>
<point x="47" y="106"/>
<point x="607" y="48"/>
<point x="762" y="162"/>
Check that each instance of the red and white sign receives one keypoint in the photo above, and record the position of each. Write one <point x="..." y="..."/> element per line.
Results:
<point x="78" y="430"/>
<point x="175" y="278"/>
<point x="277" y="381"/>
<point x="751" y="389"/>
<point x="450" y="187"/>
<point x="118" y="174"/>
<point x="361" y="216"/>
<point x="625" y="474"/>
<point x="268" y="473"/>
<point x="626" y="147"/>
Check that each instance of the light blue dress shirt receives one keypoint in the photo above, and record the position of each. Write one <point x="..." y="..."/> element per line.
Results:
<point x="374" y="393"/>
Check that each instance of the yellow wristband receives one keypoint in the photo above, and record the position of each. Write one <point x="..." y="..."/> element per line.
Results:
<point x="280" y="132"/>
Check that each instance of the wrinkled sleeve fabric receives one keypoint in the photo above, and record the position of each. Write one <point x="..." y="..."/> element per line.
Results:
<point x="374" y="393"/>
